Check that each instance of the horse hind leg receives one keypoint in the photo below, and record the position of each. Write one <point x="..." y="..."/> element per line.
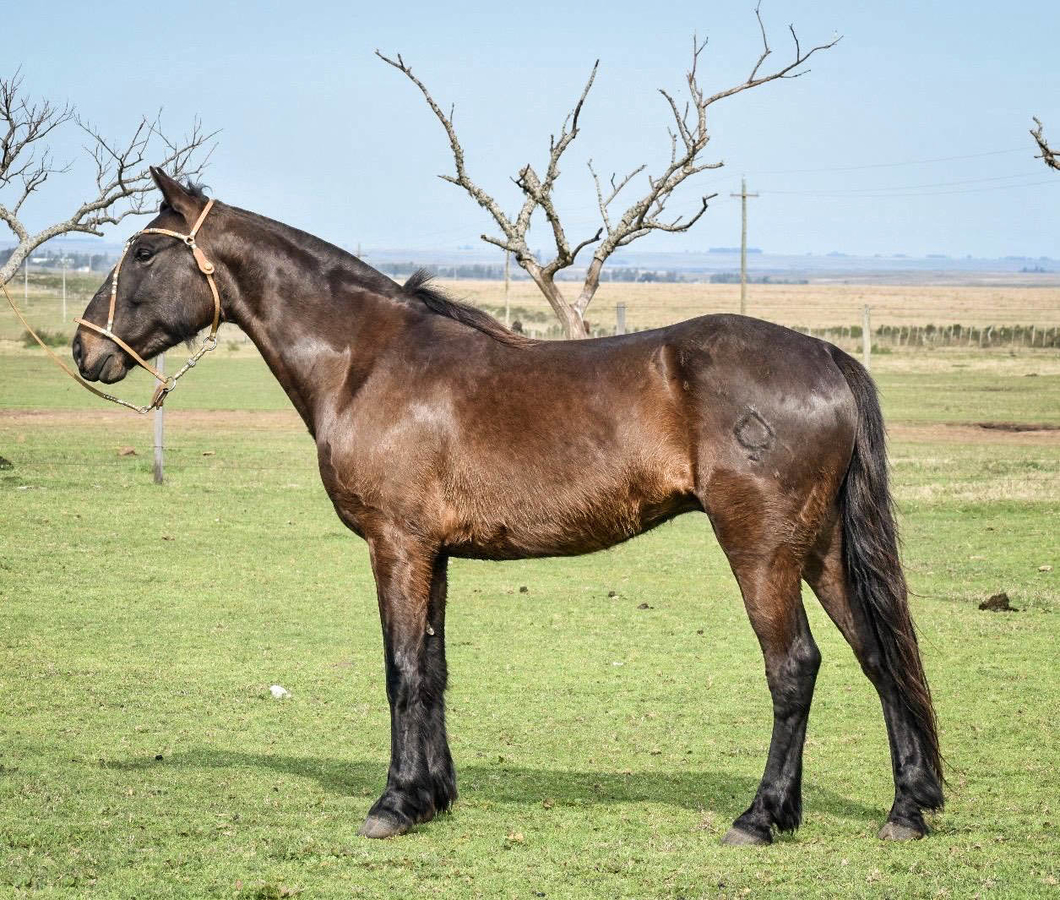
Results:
<point x="768" y="568"/>
<point x="916" y="787"/>
<point x="771" y="596"/>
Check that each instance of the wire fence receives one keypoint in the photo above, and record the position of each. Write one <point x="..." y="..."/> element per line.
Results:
<point x="915" y="336"/>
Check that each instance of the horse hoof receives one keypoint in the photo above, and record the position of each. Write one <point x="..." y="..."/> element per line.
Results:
<point x="895" y="831"/>
<point x="737" y="837"/>
<point x="378" y="827"/>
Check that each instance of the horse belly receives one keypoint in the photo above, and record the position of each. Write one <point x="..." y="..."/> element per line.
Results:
<point x="524" y="518"/>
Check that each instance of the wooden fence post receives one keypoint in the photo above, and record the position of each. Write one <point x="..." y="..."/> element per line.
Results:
<point x="620" y="318"/>
<point x="866" y="337"/>
<point x="160" y="430"/>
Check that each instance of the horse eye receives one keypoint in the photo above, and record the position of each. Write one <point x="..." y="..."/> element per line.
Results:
<point x="143" y="254"/>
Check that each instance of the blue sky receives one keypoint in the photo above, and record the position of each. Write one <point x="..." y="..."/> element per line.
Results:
<point x="319" y="133"/>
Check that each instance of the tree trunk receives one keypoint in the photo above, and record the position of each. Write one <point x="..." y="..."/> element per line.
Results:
<point x="569" y="317"/>
<point x="589" y="286"/>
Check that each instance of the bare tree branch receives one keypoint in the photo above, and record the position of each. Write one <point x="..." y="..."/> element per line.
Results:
<point x="765" y="42"/>
<point x="461" y="178"/>
<point x="540" y="192"/>
<point x="1050" y="156"/>
<point x="688" y="138"/>
<point x="123" y="183"/>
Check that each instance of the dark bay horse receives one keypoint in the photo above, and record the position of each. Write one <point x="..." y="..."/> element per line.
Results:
<point x="439" y="433"/>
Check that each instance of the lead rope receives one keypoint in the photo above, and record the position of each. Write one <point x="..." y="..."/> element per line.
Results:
<point x="166" y="383"/>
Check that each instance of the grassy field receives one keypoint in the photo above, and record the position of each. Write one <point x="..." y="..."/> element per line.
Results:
<point x="602" y="749"/>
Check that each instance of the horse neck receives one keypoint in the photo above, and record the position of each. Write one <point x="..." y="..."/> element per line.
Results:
<point x="319" y="316"/>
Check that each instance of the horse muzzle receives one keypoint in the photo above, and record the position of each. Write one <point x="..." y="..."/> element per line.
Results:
<point x="98" y="359"/>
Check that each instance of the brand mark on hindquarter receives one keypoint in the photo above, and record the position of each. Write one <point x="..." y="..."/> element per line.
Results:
<point x="754" y="433"/>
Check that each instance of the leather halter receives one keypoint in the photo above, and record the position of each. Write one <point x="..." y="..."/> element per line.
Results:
<point x="166" y="383"/>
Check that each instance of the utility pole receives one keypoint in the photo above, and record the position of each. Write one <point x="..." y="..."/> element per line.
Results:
<point x="743" y="195"/>
<point x="507" y="305"/>
<point x="25" y="283"/>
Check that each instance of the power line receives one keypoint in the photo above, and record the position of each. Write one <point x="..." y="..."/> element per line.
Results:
<point x="909" y="162"/>
<point x="883" y="192"/>
<point x="930" y="184"/>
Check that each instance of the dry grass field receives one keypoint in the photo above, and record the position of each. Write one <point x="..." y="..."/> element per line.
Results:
<point x="795" y="305"/>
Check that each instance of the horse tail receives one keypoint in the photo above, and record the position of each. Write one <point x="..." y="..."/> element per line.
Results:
<point x="876" y="581"/>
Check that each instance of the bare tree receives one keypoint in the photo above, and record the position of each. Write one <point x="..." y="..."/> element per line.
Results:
<point x="1051" y="157"/>
<point x="688" y="138"/>
<point x="123" y="184"/>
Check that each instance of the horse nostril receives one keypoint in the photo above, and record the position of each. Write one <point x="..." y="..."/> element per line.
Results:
<point x="76" y="349"/>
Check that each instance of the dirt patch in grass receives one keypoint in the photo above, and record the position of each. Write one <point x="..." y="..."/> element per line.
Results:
<point x="940" y="433"/>
<point x="1017" y="426"/>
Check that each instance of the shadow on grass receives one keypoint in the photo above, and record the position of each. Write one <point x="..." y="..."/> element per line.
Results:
<point x="504" y="783"/>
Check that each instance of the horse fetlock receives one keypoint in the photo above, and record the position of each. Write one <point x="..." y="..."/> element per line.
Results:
<point x="776" y="808"/>
<point x="788" y="815"/>
<point x="411" y="802"/>
<point x="918" y="788"/>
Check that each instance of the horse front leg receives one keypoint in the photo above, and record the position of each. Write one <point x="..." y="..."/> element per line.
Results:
<point x="411" y="586"/>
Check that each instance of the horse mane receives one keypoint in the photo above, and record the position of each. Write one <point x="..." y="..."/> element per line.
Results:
<point x="419" y="286"/>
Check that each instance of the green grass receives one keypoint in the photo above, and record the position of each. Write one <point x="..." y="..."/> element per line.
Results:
<point x="959" y="397"/>
<point x="601" y="749"/>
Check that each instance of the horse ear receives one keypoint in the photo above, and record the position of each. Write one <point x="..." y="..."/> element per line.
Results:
<point x="176" y="196"/>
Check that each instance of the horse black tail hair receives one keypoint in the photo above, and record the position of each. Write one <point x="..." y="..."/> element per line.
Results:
<point x="877" y="583"/>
